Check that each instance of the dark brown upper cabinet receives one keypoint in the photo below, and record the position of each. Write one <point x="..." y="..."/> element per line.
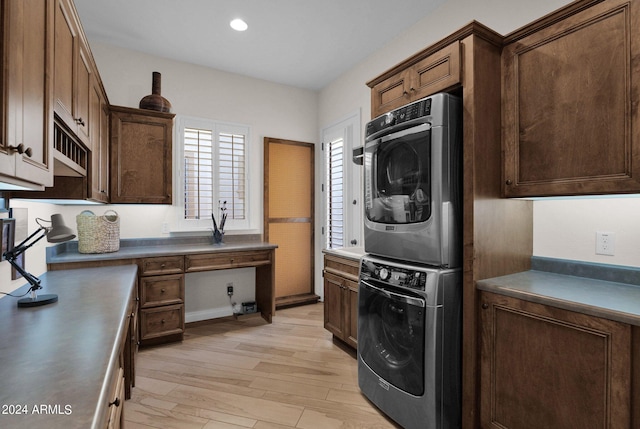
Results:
<point x="570" y="103"/>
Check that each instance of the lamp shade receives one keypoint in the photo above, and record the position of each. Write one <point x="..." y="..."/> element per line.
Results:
<point x="59" y="232"/>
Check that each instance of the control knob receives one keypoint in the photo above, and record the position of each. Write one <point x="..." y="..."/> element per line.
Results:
<point x="384" y="274"/>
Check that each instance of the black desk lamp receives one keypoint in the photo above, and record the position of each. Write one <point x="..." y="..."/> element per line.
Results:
<point x="58" y="232"/>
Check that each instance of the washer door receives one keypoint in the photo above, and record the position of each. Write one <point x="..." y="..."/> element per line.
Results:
<point x="391" y="336"/>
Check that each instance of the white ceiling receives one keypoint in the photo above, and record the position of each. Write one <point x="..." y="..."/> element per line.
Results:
<point x="303" y="43"/>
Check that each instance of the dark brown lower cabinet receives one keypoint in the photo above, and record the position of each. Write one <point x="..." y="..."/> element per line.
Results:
<point x="545" y="367"/>
<point x="341" y="298"/>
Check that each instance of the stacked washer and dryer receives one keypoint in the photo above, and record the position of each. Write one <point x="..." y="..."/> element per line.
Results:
<point x="409" y="312"/>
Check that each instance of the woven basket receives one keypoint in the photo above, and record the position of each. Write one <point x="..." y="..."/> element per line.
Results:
<point x="98" y="234"/>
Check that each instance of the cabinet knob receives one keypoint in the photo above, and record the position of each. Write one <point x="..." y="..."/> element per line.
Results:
<point x="508" y="182"/>
<point x="162" y="265"/>
<point x="115" y="402"/>
<point x="485" y="306"/>
<point x="163" y="321"/>
<point x="21" y="150"/>
<point x="163" y="290"/>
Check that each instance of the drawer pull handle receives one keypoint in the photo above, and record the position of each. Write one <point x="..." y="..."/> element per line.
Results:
<point x="163" y="265"/>
<point x="162" y="321"/>
<point x="115" y="402"/>
<point x="163" y="290"/>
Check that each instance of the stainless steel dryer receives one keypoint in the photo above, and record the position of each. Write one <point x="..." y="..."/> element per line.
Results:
<point x="409" y="325"/>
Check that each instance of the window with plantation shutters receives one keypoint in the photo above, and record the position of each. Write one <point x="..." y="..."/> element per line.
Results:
<point x="335" y="216"/>
<point x="231" y="184"/>
<point x="198" y="173"/>
<point x="213" y="174"/>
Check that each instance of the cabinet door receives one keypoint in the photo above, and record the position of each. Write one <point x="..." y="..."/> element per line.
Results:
<point x="99" y="127"/>
<point x="436" y="73"/>
<point x="115" y="417"/>
<point x="351" y="313"/>
<point x="27" y="144"/>
<point x="141" y="156"/>
<point x="84" y="84"/>
<point x="65" y="58"/>
<point x="334" y="305"/>
<point x="430" y="75"/>
<point x="570" y="97"/>
<point x="390" y="93"/>
<point x="543" y="367"/>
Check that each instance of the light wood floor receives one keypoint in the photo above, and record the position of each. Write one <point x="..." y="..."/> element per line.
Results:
<point x="249" y="374"/>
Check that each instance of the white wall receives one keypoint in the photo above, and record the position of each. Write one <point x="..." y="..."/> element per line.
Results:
<point x="35" y="256"/>
<point x="566" y="229"/>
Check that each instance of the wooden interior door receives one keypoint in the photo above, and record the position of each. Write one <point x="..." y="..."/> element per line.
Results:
<point x="288" y="218"/>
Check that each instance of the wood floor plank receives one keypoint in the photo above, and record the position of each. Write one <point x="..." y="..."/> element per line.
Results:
<point x="300" y="389"/>
<point x="238" y="374"/>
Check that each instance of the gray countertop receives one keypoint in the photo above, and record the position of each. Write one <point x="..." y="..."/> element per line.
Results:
<point x="143" y="248"/>
<point x="608" y="299"/>
<point x="62" y="355"/>
<point x="352" y="253"/>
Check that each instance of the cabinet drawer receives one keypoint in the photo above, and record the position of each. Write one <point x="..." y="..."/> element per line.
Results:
<point x="161" y="321"/>
<point x="221" y="261"/>
<point x="162" y="265"/>
<point x="162" y="290"/>
<point x="343" y="267"/>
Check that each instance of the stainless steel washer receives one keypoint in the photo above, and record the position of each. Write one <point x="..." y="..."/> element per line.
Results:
<point x="409" y="342"/>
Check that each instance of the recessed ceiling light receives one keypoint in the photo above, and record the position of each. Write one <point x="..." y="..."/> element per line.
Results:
<point x="238" y="24"/>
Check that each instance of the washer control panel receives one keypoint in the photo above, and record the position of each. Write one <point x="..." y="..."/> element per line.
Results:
<point x="395" y="275"/>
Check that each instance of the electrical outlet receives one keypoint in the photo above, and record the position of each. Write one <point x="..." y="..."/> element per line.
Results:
<point x="605" y="243"/>
<point x="165" y="228"/>
<point x="230" y="289"/>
